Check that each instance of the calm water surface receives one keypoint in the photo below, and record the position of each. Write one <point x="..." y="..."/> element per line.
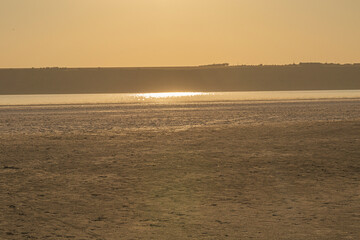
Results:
<point x="174" y="97"/>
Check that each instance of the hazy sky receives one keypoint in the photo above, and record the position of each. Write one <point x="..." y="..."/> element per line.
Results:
<point x="80" y="33"/>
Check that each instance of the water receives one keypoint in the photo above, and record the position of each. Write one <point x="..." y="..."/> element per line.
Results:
<point x="49" y="99"/>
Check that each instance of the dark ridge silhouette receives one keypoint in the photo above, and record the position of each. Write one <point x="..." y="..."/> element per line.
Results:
<point x="216" y="65"/>
<point x="216" y="77"/>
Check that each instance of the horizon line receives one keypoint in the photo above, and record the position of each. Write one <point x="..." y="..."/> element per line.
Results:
<point x="214" y="65"/>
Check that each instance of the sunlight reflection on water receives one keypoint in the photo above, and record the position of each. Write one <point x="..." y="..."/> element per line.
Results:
<point x="170" y="94"/>
<point x="171" y="97"/>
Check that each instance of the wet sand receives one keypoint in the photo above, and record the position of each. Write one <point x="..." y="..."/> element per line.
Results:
<point x="231" y="170"/>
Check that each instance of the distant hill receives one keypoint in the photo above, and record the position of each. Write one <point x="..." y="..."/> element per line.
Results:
<point x="217" y="77"/>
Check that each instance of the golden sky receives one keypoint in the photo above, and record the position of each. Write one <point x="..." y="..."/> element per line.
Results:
<point x="106" y="33"/>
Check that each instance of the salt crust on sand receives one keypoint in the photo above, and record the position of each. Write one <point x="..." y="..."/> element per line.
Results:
<point x="236" y="170"/>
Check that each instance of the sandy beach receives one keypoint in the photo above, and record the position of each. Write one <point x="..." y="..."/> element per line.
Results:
<point x="206" y="170"/>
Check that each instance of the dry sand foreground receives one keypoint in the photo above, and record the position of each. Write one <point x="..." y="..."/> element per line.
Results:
<point x="282" y="170"/>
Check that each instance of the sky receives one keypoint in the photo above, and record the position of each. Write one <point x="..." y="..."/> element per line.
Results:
<point x="137" y="33"/>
